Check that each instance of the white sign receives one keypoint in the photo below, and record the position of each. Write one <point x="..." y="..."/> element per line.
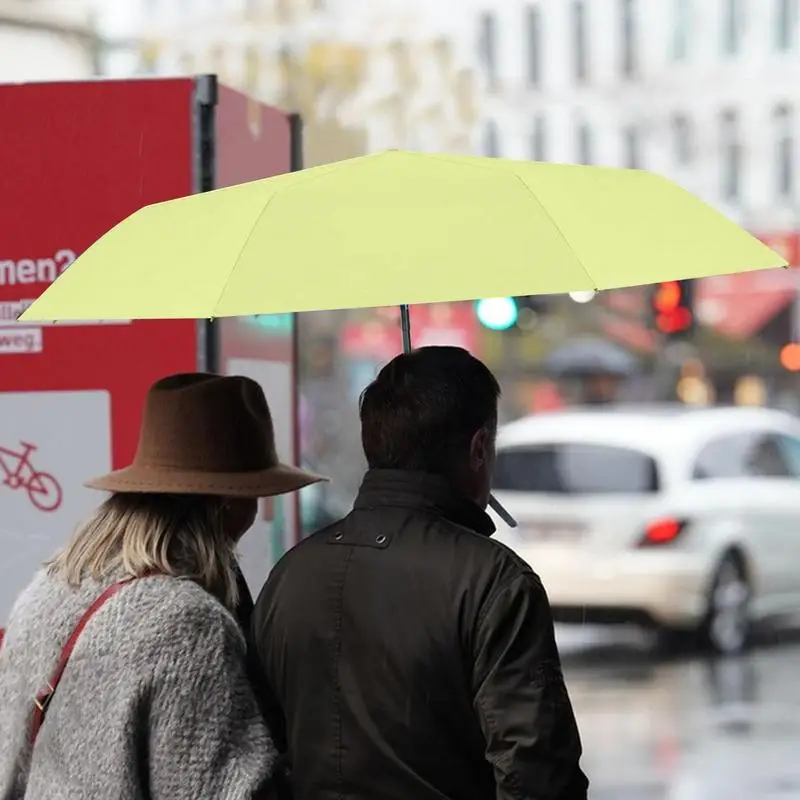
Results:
<point x="50" y="443"/>
<point x="10" y="311"/>
<point x="16" y="340"/>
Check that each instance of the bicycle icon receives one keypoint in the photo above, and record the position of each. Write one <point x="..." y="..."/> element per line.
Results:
<point x="43" y="490"/>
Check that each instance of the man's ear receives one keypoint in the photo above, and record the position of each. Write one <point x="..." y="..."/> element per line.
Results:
<point x="479" y="449"/>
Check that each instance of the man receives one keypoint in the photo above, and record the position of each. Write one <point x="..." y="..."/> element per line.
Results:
<point x="404" y="654"/>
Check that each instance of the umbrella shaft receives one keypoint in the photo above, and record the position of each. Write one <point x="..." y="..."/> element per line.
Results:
<point x="405" y="327"/>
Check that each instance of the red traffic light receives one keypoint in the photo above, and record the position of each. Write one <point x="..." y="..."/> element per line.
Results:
<point x="672" y="308"/>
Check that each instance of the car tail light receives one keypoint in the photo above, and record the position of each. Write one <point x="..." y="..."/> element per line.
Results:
<point x="662" y="532"/>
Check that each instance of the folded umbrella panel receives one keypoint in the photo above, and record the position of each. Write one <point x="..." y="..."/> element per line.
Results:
<point x="168" y="260"/>
<point x="631" y="227"/>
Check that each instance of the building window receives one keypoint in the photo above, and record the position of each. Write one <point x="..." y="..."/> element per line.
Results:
<point x="682" y="29"/>
<point x="732" y="26"/>
<point x="533" y="25"/>
<point x="491" y="140"/>
<point x="784" y="152"/>
<point x="579" y="41"/>
<point x="731" y="152"/>
<point x="628" y="35"/>
<point x="488" y="46"/>
<point x="632" y="146"/>
<point x="682" y="136"/>
<point x="785" y="23"/>
<point x="538" y="147"/>
<point x="584" y="144"/>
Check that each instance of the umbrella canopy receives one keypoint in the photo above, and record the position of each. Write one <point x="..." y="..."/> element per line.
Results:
<point x="394" y="228"/>
<point x="590" y="356"/>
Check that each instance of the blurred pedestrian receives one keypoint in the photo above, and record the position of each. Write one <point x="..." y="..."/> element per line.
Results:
<point x="600" y="388"/>
<point x="123" y="669"/>
<point x="403" y="653"/>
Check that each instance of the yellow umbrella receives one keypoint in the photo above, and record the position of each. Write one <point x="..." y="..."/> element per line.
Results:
<point x="399" y="228"/>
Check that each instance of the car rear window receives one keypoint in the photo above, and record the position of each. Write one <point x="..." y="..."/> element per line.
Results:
<point x="573" y="468"/>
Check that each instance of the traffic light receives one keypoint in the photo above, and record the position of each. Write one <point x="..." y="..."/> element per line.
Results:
<point x="790" y="357"/>
<point x="273" y="323"/>
<point x="672" y="304"/>
<point x="497" y="313"/>
<point x="509" y="313"/>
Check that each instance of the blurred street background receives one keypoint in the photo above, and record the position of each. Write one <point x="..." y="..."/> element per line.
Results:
<point x="702" y="91"/>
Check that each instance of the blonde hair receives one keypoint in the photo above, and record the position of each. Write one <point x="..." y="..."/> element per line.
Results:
<point x="179" y="535"/>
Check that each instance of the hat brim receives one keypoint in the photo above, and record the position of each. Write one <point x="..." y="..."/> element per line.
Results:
<point x="280" y="479"/>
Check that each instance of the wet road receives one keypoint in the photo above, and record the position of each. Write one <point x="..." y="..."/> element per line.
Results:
<point x="686" y="728"/>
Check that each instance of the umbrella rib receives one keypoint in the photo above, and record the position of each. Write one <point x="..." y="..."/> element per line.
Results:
<point x="530" y="191"/>
<point x="243" y="248"/>
<point x="558" y="228"/>
<point x="336" y="165"/>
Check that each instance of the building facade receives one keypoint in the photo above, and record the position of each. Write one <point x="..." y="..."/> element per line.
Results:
<point x="46" y="40"/>
<point x="700" y="90"/>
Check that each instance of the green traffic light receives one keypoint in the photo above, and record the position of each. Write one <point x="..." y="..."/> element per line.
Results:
<point x="274" y="323"/>
<point x="497" y="313"/>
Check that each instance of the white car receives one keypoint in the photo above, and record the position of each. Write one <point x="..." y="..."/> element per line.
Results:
<point x="674" y="518"/>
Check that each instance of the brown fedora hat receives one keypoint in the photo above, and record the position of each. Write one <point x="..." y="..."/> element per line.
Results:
<point x="206" y="434"/>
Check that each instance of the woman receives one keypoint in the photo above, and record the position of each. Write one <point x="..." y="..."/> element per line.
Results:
<point x="123" y="670"/>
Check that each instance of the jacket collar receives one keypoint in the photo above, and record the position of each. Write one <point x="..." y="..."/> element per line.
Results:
<point x="420" y="491"/>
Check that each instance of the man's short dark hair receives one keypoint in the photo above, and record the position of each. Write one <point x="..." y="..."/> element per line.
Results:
<point x="424" y="407"/>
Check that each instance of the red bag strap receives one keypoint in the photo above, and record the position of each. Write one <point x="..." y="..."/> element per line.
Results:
<point x="43" y="698"/>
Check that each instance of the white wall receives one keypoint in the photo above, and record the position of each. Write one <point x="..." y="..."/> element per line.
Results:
<point x="37" y="42"/>
<point x="195" y="27"/>
<point x="35" y="56"/>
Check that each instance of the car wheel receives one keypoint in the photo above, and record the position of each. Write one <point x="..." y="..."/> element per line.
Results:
<point x="726" y="626"/>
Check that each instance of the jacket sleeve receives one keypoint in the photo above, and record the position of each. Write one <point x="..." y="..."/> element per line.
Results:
<point x="532" y="738"/>
<point x="207" y="736"/>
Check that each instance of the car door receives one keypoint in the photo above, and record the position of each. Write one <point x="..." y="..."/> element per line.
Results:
<point x="747" y="481"/>
<point x="789" y="445"/>
<point x="769" y="466"/>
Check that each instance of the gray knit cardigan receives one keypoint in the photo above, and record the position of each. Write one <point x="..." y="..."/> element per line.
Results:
<point x="154" y="702"/>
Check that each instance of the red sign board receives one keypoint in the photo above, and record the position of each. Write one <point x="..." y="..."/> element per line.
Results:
<point x="77" y="158"/>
